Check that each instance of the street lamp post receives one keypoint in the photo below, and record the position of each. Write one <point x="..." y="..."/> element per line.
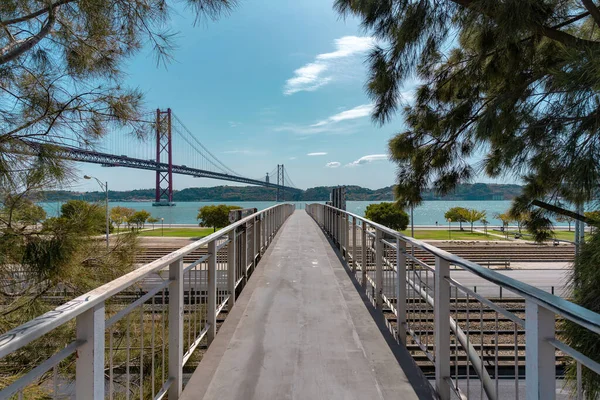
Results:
<point x="105" y="188"/>
<point x="449" y="232"/>
<point x="162" y="227"/>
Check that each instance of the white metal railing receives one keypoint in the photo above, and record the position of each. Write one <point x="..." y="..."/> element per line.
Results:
<point x="115" y="347"/>
<point x="467" y="339"/>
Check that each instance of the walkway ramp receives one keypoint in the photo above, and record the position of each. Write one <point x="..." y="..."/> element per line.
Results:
<point x="299" y="330"/>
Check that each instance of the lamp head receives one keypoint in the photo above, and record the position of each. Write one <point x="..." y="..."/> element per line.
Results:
<point x="87" y="177"/>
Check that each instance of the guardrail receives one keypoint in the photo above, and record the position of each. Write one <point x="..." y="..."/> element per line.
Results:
<point x="462" y="340"/>
<point x="138" y="349"/>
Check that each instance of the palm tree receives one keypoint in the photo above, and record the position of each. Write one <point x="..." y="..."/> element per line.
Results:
<point x="471" y="215"/>
<point x="505" y="218"/>
<point x="485" y="223"/>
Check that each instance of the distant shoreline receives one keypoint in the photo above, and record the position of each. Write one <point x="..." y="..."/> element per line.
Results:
<point x="467" y="192"/>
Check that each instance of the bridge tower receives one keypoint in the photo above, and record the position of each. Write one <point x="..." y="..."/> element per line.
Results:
<point x="164" y="155"/>
<point x="280" y="183"/>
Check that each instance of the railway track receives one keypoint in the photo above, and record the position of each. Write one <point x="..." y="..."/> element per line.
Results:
<point x="497" y="339"/>
<point x="483" y="254"/>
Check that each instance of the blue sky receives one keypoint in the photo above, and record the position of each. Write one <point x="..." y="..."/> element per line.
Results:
<point x="274" y="82"/>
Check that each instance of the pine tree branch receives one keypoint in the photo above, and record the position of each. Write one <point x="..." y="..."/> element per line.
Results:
<point x="560" y="211"/>
<point x="593" y="10"/>
<point x="20" y="48"/>
<point x="552" y="33"/>
<point x="35" y="14"/>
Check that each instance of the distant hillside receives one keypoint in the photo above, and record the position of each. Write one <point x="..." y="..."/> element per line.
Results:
<point x="477" y="191"/>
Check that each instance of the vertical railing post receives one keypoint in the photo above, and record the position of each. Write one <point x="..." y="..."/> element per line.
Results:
<point x="346" y="235"/>
<point x="363" y="242"/>
<point x="257" y="246"/>
<point x="176" y="328"/>
<point x="378" y="269"/>
<point x="339" y="236"/>
<point x="89" y="369"/>
<point x="253" y="245"/>
<point x="211" y="313"/>
<point x="401" y="290"/>
<point x="272" y="230"/>
<point x="245" y="253"/>
<point x="354" y="245"/>
<point x="231" y="278"/>
<point x="441" y="319"/>
<point x="263" y="232"/>
<point x="540" y="360"/>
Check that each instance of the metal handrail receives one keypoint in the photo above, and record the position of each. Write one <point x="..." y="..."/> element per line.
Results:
<point x="88" y="310"/>
<point x="37" y="327"/>
<point x="541" y="308"/>
<point x="580" y="315"/>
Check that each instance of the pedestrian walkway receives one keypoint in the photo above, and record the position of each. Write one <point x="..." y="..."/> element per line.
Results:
<point x="300" y="330"/>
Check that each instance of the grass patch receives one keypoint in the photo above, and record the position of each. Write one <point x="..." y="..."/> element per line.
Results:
<point x="178" y="232"/>
<point x="565" y="235"/>
<point x="442" y="234"/>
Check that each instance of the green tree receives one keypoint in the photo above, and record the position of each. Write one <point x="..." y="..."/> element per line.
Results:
<point x="90" y="218"/>
<point x="216" y="216"/>
<point x="567" y="219"/>
<point x="20" y="213"/>
<point x="387" y="214"/>
<point x="121" y="215"/>
<point x="456" y="214"/>
<point x="583" y="285"/>
<point x="139" y="218"/>
<point x="485" y="223"/>
<point x="513" y="83"/>
<point x="471" y="215"/>
<point x="521" y="217"/>
<point x="64" y="253"/>
<point x="61" y="69"/>
<point x="153" y="220"/>
<point x="506" y="219"/>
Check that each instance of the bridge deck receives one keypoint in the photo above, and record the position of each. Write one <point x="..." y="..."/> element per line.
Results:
<point x="300" y="330"/>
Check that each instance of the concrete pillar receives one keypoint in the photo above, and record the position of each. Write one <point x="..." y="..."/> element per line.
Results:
<point x="442" y="328"/>
<point x="540" y="369"/>
<point x="89" y="368"/>
<point x="176" y="328"/>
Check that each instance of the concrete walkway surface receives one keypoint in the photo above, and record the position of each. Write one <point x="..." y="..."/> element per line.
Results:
<point x="300" y="330"/>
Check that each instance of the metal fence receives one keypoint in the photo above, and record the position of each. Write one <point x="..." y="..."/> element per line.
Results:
<point x="118" y="347"/>
<point x="472" y="344"/>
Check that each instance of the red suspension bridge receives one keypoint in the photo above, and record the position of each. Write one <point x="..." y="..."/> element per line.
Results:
<point x="175" y="150"/>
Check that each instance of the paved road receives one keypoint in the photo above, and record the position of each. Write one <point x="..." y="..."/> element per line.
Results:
<point x="299" y="331"/>
<point x="542" y="279"/>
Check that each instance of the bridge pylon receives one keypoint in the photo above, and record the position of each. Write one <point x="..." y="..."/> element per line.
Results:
<point x="164" y="155"/>
<point x="280" y="183"/>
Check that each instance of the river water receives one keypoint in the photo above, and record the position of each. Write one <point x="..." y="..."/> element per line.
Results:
<point x="428" y="213"/>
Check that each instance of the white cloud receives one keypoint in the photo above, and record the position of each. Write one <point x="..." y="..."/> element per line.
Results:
<point x="318" y="73"/>
<point x="234" y="124"/>
<point x="318" y="153"/>
<point x="361" y="111"/>
<point x="347" y="46"/>
<point x="330" y="125"/>
<point x="293" y="158"/>
<point x="368" y="159"/>
<point x="333" y="164"/>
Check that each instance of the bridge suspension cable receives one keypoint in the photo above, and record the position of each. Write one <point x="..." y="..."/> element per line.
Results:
<point x="289" y="181"/>
<point x="223" y="168"/>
